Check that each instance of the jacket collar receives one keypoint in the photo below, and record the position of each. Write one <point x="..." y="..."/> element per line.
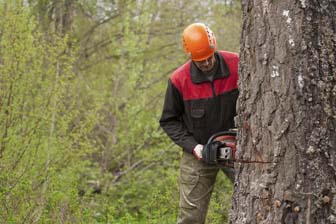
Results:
<point x="197" y="76"/>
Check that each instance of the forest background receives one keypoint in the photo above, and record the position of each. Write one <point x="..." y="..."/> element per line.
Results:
<point x="81" y="89"/>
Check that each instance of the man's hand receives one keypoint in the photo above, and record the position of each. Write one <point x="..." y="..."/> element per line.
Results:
<point x="197" y="151"/>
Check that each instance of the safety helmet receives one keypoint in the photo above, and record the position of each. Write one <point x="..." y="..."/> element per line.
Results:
<point x="199" y="42"/>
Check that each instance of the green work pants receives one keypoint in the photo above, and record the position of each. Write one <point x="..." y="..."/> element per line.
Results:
<point x="197" y="180"/>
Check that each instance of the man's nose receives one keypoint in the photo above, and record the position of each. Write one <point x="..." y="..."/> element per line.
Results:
<point x="206" y="62"/>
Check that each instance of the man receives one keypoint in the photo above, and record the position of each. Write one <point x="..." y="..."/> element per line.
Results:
<point x="200" y="101"/>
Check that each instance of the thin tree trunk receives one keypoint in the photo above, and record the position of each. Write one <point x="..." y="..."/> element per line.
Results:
<point x="287" y="113"/>
<point x="48" y="148"/>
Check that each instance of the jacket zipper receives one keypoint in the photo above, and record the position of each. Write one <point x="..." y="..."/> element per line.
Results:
<point x="213" y="89"/>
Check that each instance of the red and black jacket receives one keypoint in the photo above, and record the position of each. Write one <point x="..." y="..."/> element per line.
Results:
<point x="195" y="108"/>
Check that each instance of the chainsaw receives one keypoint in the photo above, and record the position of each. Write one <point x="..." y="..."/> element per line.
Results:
<point x="221" y="149"/>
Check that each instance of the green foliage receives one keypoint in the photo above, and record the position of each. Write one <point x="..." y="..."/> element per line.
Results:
<point x="42" y="140"/>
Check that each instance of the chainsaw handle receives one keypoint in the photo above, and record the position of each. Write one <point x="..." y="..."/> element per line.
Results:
<point x="232" y="133"/>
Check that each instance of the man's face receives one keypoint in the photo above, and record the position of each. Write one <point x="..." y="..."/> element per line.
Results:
<point x="207" y="64"/>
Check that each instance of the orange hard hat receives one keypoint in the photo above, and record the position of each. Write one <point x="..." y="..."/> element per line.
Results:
<point x="199" y="42"/>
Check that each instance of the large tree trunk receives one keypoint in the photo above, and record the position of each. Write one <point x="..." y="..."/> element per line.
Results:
<point x="287" y="113"/>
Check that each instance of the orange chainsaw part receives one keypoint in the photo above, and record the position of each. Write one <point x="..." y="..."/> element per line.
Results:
<point x="228" y="141"/>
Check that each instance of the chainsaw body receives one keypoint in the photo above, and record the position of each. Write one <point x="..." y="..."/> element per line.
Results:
<point x="220" y="148"/>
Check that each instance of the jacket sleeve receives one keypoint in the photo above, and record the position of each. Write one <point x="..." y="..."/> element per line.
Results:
<point x="171" y="119"/>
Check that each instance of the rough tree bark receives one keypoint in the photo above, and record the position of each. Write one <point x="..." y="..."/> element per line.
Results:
<point x="287" y="113"/>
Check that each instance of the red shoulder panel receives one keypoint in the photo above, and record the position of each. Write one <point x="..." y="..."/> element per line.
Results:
<point x="181" y="79"/>
<point x="231" y="82"/>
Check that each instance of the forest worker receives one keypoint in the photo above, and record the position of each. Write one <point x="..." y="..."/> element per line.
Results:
<point x="200" y="100"/>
